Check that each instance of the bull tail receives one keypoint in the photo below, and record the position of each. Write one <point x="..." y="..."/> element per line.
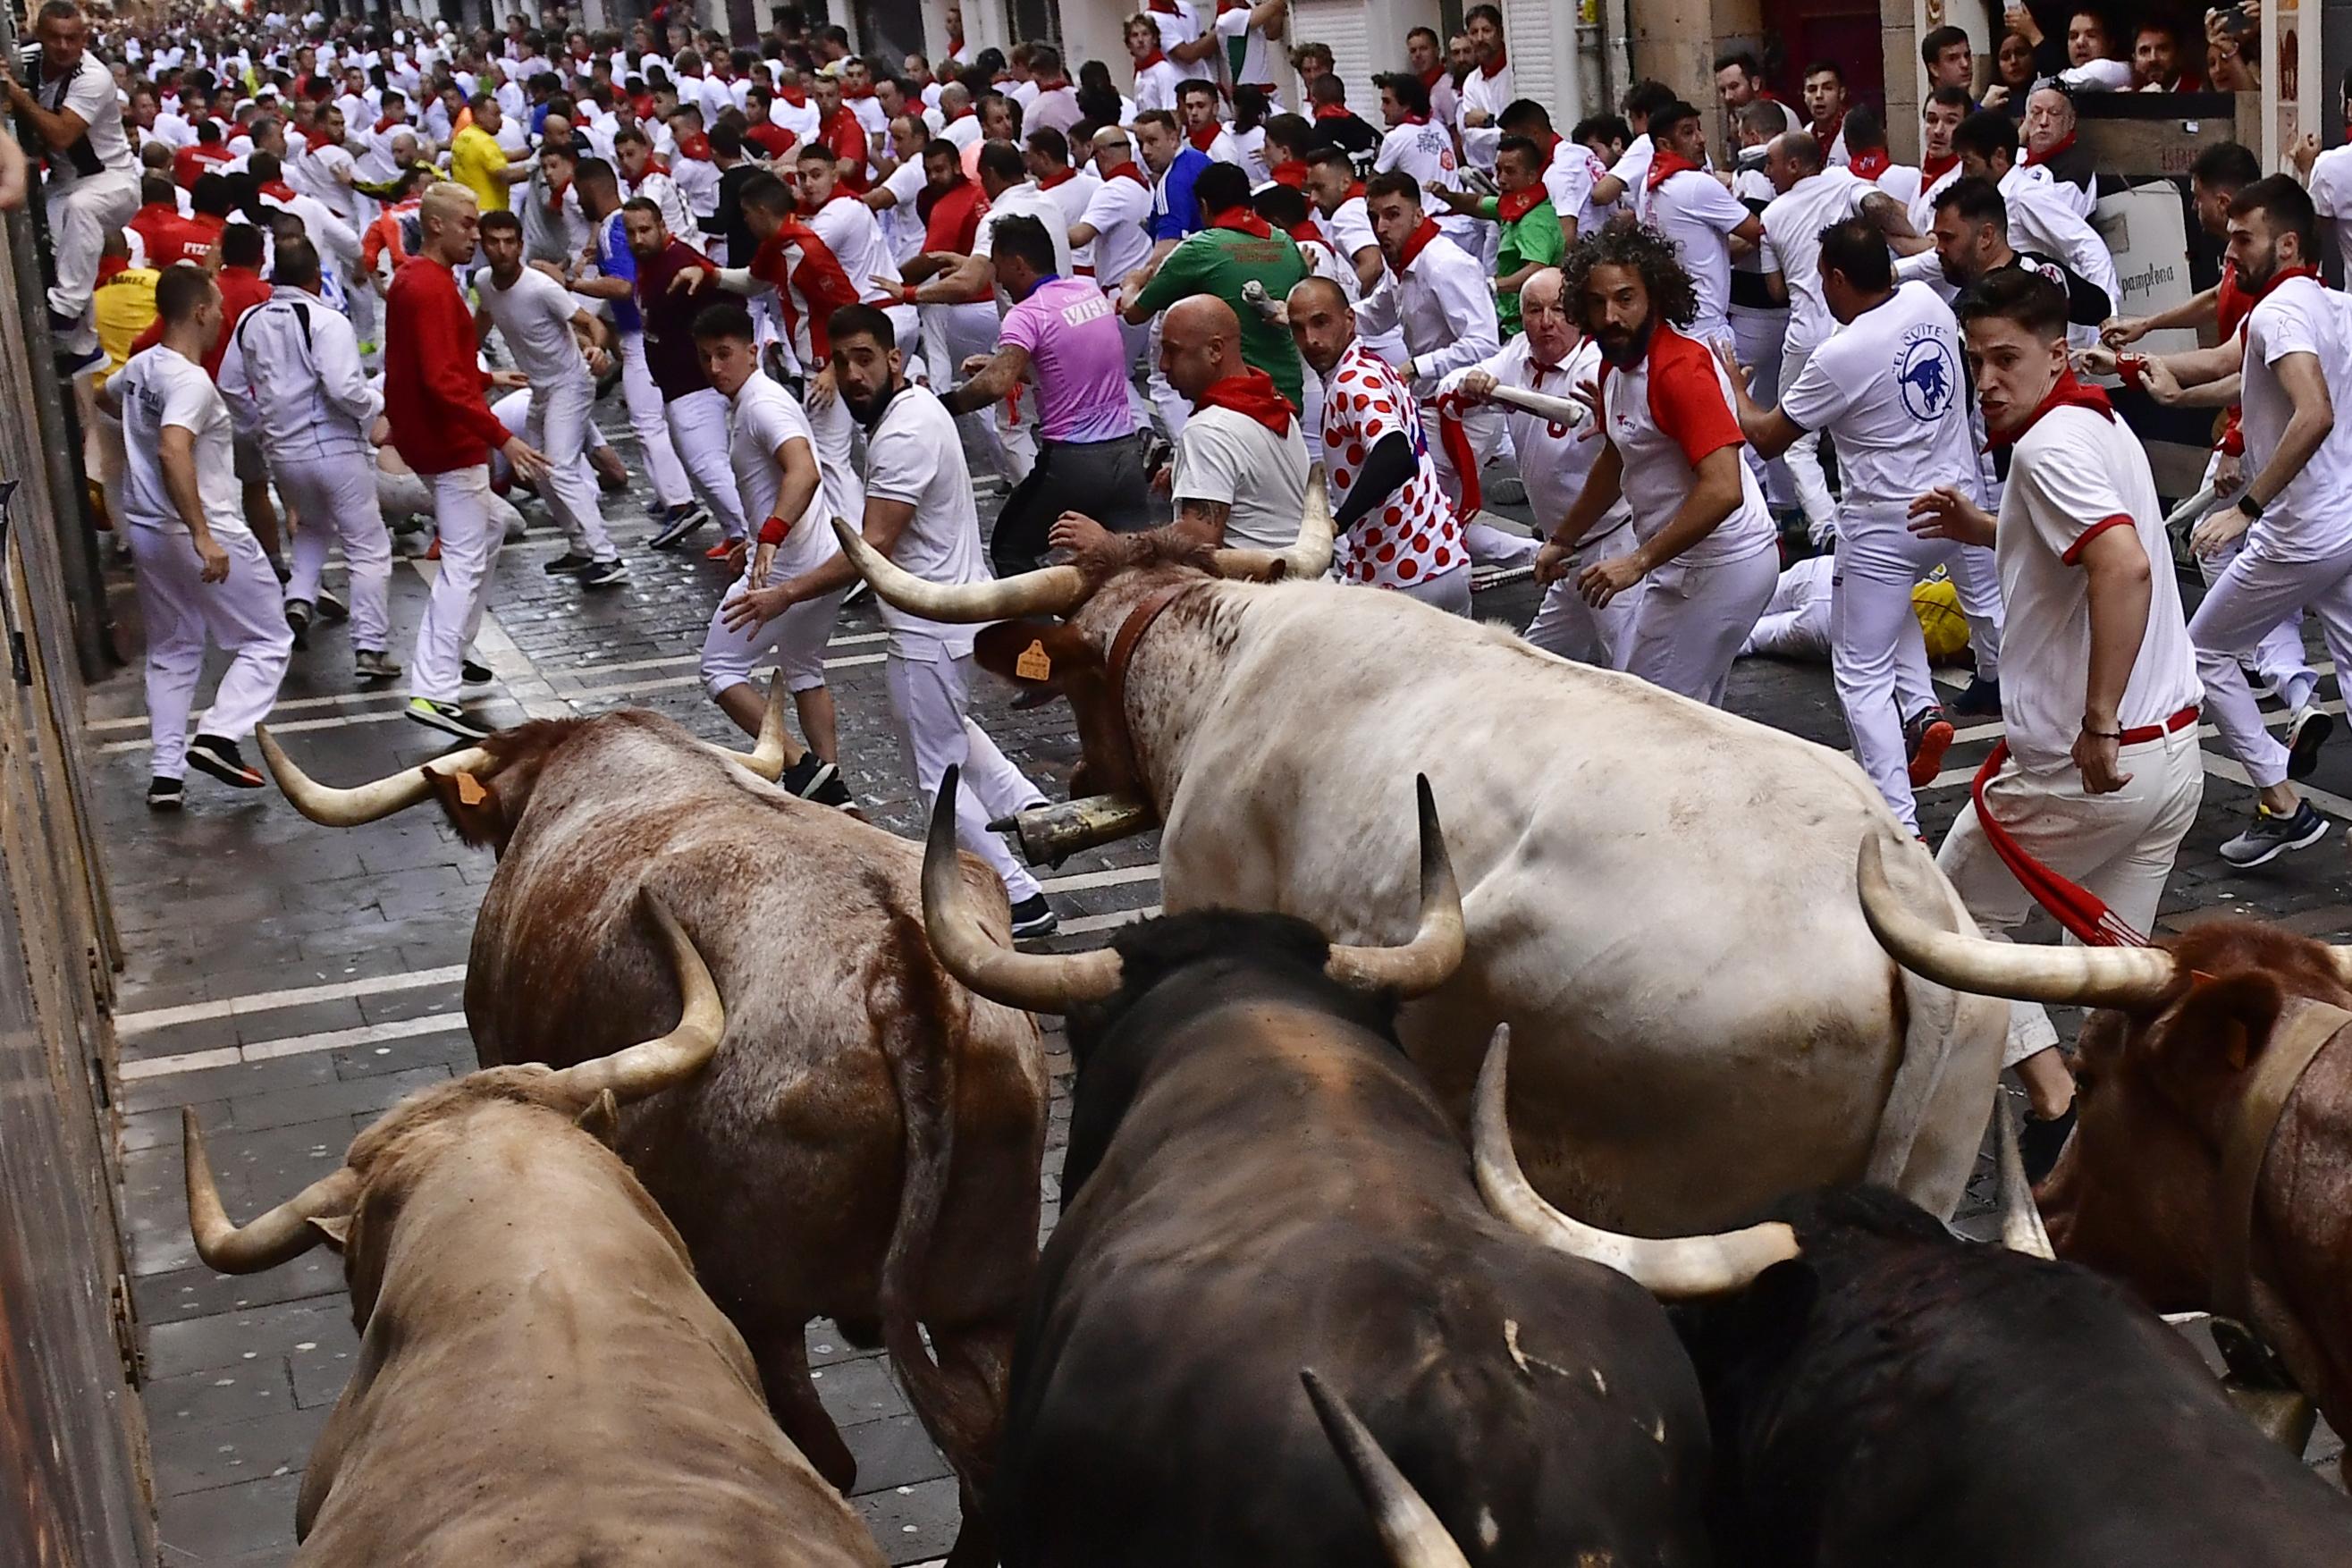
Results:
<point x="1935" y="1112"/>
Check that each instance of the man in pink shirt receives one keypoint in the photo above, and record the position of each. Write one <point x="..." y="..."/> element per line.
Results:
<point x="1063" y="333"/>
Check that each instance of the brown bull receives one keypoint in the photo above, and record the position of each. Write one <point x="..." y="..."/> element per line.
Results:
<point x="2211" y="1165"/>
<point x="540" y="1380"/>
<point x="864" y="1147"/>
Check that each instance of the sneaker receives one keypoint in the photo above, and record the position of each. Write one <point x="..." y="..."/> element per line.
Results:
<point x="476" y="673"/>
<point x="297" y="621"/>
<point x="2305" y="734"/>
<point x="812" y="778"/>
<point x="166" y="794"/>
<point x="2268" y="836"/>
<point x="331" y="608"/>
<point x="1927" y="736"/>
<point x="1033" y="916"/>
<point x="447" y="718"/>
<point x="71" y="362"/>
<point x="2039" y="1143"/>
<point x="605" y="573"/>
<point x="676" y="523"/>
<point x="568" y="565"/>
<point x="721" y="551"/>
<point x="1980" y="701"/>
<point x="218" y="756"/>
<point x="374" y="664"/>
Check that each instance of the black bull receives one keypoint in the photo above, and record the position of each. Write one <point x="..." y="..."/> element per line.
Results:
<point x="1257" y="1179"/>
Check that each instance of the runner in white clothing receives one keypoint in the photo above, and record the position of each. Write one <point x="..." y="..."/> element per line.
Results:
<point x="1421" y="149"/>
<point x="1706" y="555"/>
<point x="1697" y="214"/>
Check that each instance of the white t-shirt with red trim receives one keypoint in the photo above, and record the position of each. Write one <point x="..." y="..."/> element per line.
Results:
<point x="1414" y="535"/>
<point x="1664" y="415"/>
<point x="2076" y="472"/>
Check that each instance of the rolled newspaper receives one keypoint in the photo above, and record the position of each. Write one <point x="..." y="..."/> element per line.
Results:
<point x="1566" y="410"/>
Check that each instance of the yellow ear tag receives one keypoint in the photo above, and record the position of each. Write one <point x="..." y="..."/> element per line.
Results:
<point x="469" y="789"/>
<point x="1033" y="664"/>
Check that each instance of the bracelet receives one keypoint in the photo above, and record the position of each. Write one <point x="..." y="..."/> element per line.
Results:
<point x="2101" y="735"/>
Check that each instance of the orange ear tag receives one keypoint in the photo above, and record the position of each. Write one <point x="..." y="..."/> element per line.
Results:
<point x="1033" y="664"/>
<point x="469" y="789"/>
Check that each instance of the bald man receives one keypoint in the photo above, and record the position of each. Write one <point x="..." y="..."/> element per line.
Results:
<point x="1240" y="471"/>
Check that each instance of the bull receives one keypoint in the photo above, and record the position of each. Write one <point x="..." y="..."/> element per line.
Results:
<point x="540" y="1379"/>
<point x="1256" y="1176"/>
<point x="1659" y="896"/>
<point x="1883" y="1392"/>
<point x="2211" y="1165"/>
<point x="867" y="1144"/>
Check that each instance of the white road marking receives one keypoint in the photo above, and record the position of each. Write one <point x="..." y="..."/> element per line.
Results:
<point x="293" y="996"/>
<point x="1084" y="924"/>
<point x="295" y="1046"/>
<point x="1119" y="876"/>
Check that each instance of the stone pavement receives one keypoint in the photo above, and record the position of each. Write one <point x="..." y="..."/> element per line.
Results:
<point x="291" y="982"/>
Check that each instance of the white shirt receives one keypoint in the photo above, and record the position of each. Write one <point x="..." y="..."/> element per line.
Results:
<point x="2073" y="470"/>
<point x="336" y="240"/>
<point x="291" y="374"/>
<point x="1444" y="305"/>
<point x="854" y="235"/>
<point x="1118" y="211"/>
<point x="2312" y="517"/>
<point x="1348" y="226"/>
<point x="2331" y="193"/>
<point x="1890" y="388"/>
<point x="1632" y="170"/>
<point x="1492" y="94"/>
<point x="1425" y="150"/>
<point x="1793" y="223"/>
<point x="662" y="191"/>
<point x="1553" y="463"/>
<point x="1073" y="196"/>
<point x="171" y="129"/>
<point x="1155" y="85"/>
<point x="1697" y="213"/>
<point x="1260" y="65"/>
<point x="2044" y="216"/>
<point x="161" y="387"/>
<point x="1568" y="180"/>
<point x="1023" y="200"/>
<point x="1663" y="416"/>
<point x="534" y="314"/>
<point x="89" y="94"/>
<point x="314" y="175"/>
<point x="697" y="180"/>
<point x="762" y="417"/>
<point x="1178" y="24"/>
<point x="1234" y="460"/>
<point x="914" y="455"/>
<point x="2098" y="76"/>
<point x="963" y="131"/>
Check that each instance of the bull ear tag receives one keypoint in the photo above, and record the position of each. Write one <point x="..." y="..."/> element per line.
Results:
<point x="470" y="791"/>
<point x="1033" y="664"/>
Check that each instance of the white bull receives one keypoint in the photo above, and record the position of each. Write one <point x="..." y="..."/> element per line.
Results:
<point x="1660" y="897"/>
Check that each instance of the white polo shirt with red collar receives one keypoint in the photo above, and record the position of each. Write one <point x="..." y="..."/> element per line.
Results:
<point x="1414" y="535"/>
<point x="1664" y="416"/>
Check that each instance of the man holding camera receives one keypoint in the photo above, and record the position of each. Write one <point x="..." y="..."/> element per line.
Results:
<point x="72" y="116"/>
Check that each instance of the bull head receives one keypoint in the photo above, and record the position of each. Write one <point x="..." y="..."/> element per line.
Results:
<point x="474" y="765"/>
<point x="1408" y="1526"/>
<point x="320" y="1210"/>
<point x="965" y="941"/>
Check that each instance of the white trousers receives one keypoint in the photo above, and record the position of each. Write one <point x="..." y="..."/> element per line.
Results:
<point x="1804" y="459"/>
<point x="1448" y="591"/>
<point x="2120" y="846"/>
<point x="240" y="615"/>
<point x="2250" y="597"/>
<point x="1757" y="336"/>
<point x="1489" y="437"/>
<point x="797" y="638"/>
<point x="81" y="213"/>
<point x="697" y="432"/>
<point x="2278" y="659"/>
<point x="559" y="423"/>
<point x="1173" y="408"/>
<point x="1565" y="624"/>
<point x="1691" y="620"/>
<point x="931" y="698"/>
<point x="471" y="541"/>
<point x="954" y="333"/>
<point x="334" y="498"/>
<point x="647" y="418"/>
<point x="1140" y="357"/>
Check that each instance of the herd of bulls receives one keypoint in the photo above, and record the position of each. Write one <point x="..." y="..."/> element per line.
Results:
<point x="1400" y="1153"/>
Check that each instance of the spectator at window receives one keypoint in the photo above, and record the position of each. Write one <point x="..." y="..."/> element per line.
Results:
<point x="2013" y="75"/>
<point x="2158" y="64"/>
<point x="2091" y="62"/>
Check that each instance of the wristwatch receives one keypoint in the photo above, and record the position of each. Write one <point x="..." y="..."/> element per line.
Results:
<point x="2250" y="506"/>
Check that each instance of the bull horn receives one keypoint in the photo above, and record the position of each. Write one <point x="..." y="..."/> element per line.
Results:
<point x="1033" y="982"/>
<point x="1304" y="560"/>
<point x="367" y="801"/>
<point x="1048" y="591"/>
<point x="1429" y="959"/>
<point x="1676" y="1269"/>
<point x="1409" y="1527"/>
<point x="651" y="1066"/>
<point x="766" y="757"/>
<point x="285" y="1232"/>
<point x="2125" y="977"/>
<point x="2343" y="956"/>
<point x="2020" y="1218"/>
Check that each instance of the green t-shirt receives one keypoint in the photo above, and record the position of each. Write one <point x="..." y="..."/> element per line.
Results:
<point x="1219" y="262"/>
<point x="1534" y="235"/>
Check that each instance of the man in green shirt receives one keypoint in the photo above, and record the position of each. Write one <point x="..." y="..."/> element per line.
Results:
<point x="1531" y="239"/>
<point x="1236" y="248"/>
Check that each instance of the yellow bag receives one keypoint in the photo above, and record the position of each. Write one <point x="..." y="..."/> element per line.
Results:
<point x="1938" y="604"/>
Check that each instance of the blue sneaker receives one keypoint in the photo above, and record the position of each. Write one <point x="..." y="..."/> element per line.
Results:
<point x="2270" y="836"/>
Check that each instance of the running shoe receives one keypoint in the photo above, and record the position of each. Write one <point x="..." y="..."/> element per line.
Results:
<point x="1033" y="916"/>
<point x="1927" y="736"/>
<point x="2306" y="733"/>
<point x="476" y="673"/>
<point x="813" y="779"/>
<point x="374" y="664"/>
<point x="166" y="794"/>
<point x="2270" y="836"/>
<point x="721" y="551"/>
<point x="571" y="563"/>
<point x="1980" y="701"/>
<point x="447" y="718"/>
<point x="216" y="756"/>
<point x="297" y="621"/>
<point x="330" y="609"/>
<point x="605" y="573"/>
<point x="678" y="521"/>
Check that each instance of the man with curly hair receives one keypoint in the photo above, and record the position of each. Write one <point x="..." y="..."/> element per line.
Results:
<point x="1703" y="559"/>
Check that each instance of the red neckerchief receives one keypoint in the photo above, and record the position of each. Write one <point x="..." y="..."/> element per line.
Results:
<point x="1828" y="138"/>
<point x="1241" y="220"/>
<point x="1869" y="166"/>
<point x="1355" y="192"/>
<point x="1304" y="233"/>
<point x="1414" y="244"/>
<point x="1664" y="166"/>
<point x="1165" y="8"/>
<point x="278" y="188"/>
<point x="840" y="193"/>
<point x="1059" y="177"/>
<point x="2231" y="303"/>
<point x="2032" y="157"/>
<point x="641" y="106"/>
<point x="1502" y="63"/>
<point x="2065" y="393"/>
<point x="1205" y="137"/>
<point x="2281" y="276"/>
<point x="1432" y="76"/>
<point x="1156" y="58"/>
<point x="1333" y="112"/>
<point x="1127" y="171"/>
<point x="795" y="96"/>
<point x="960" y="114"/>
<point x="1414" y="119"/>
<point x="386" y="123"/>
<point x="1291" y="171"/>
<point x="1934" y="169"/>
<point x="857" y="94"/>
<point x="694" y="144"/>
<point x="1513" y="205"/>
<point x="1056" y="85"/>
<point x="1252" y="393"/>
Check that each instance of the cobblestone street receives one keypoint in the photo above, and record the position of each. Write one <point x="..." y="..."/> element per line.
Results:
<point x="291" y="982"/>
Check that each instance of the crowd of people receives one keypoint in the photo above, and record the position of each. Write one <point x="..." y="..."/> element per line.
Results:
<point x="293" y="257"/>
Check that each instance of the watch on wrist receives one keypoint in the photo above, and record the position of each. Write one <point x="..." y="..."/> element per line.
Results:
<point x="2250" y="506"/>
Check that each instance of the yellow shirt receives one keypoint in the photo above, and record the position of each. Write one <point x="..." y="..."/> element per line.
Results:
<point x="474" y="160"/>
<point x="124" y="307"/>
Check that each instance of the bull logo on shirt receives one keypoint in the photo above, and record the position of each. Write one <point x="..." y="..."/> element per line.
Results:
<point x="1927" y="374"/>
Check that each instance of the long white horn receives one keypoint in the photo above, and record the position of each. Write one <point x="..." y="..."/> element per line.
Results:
<point x="1306" y="559"/>
<point x="1565" y="411"/>
<point x="2020" y="1218"/>
<point x="283" y="1233"/>
<point x="1429" y="959"/>
<point x="1676" y="1269"/>
<point x="1035" y="982"/>
<point x="766" y="757"/>
<point x="2343" y="957"/>
<point x="2125" y="977"/>
<point x="367" y="802"/>
<point x="1048" y="591"/>
<point x="1408" y="1526"/>
<point x="651" y="1066"/>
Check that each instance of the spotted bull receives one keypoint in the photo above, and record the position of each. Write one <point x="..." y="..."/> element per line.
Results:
<point x="1659" y="896"/>
<point x="540" y="1382"/>
<point x="866" y="1144"/>
<point x="1256" y="1176"/>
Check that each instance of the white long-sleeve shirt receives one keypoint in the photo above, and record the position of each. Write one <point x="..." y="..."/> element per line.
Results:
<point x="2042" y="216"/>
<point x="1553" y="461"/>
<point x="336" y="240"/>
<point x="291" y="373"/>
<point x="1445" y="307"/>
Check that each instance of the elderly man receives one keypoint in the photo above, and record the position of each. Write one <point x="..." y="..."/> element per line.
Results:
<point x="2052" y="152"/>
<point x="92" y="186"/>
